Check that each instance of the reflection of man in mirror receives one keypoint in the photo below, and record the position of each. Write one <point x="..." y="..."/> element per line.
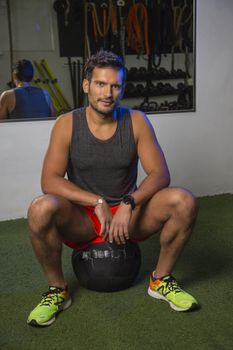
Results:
<point x="25" y="101"/>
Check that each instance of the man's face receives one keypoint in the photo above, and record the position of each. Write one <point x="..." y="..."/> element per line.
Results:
<point x="105" y="89"/>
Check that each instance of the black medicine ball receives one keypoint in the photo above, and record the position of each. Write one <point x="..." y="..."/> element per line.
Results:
<point x="107" y="267"/>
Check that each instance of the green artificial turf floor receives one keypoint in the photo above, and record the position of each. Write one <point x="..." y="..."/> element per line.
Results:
<point x="128" y="319"/>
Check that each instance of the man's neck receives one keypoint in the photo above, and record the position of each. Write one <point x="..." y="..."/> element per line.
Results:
<point x="99" y="118"/>
<point x="22" y="84"/>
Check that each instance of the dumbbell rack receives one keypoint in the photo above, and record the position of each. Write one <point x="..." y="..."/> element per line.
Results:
<point x="157" y="86"/>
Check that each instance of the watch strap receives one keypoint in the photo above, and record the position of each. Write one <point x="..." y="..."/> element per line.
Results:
<point x="128" y="199"/>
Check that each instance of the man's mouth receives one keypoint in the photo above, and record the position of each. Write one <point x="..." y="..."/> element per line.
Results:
<point x="107" y="102"/>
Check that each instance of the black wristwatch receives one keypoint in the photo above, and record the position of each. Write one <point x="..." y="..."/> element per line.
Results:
<point x="128" y="199"/>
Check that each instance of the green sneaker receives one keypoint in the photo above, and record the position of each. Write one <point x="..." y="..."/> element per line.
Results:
<point x="52" y="302"/>
<point x="168" y="289"/>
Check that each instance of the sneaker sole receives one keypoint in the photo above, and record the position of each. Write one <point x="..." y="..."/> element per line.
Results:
<point x="34" y="323"/>
<point x="157" y="295"/>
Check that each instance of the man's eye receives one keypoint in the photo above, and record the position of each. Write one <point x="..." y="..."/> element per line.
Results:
<point x="100" y="84"/>
<point x="117" y="87"/>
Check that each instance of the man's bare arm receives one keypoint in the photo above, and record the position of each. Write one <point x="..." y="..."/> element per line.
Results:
<point x="4" y="104"/>
<point x="151" y="157"/>
<point x="154" y="164"/>
<point x="55" y="165"/>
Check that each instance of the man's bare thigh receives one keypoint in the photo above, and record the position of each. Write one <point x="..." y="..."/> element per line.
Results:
<point x="150" y="217"/>
<point x="72" y="222"/>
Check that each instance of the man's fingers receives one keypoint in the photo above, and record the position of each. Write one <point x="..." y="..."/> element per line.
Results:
<point x="107" y="227"/>
<point x="118" y="233"/>
<point x="117" y="239"/>
<point x="113" y="234"/>
<point x="103" y="227"/>
<point x="121" y="236"/>
<point x="110" y="234"/>
<point x="126" y="232"/>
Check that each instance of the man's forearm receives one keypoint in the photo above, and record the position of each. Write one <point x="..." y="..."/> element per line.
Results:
<point x="153" y="183"/>
<point x="60" y="186"/>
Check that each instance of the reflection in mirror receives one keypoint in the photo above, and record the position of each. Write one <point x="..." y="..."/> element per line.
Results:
<point x="24" y="100"/>
<point x="155" y="37"/>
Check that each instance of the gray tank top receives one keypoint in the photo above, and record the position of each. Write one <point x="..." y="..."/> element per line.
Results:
<point x="107" y="168"/>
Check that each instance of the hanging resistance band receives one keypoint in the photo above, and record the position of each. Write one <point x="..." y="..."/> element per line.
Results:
<point x="137" y="28"/>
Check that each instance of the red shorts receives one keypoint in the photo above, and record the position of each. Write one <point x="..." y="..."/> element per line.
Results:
<point x="96" y="226"/>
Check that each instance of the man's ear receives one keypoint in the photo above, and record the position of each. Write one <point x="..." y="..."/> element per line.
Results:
<point x="86" y="85"/>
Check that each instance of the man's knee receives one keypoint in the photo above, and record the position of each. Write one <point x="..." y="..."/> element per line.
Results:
<point x="42" y="211"/>
<point x="184" y="203"/>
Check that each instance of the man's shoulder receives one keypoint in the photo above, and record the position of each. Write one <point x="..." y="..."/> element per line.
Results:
<point x="134" y="113"/>
<point x="7" y="103"/>
<point x="65" y="118"/>
<point x="7" y="94"/>
<point x="7" y="99"/>
<point x="62" y="127"/>
<point x="140" y="122"/>
<point x="138" y="116"/>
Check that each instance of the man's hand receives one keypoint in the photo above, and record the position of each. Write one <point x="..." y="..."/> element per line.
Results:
<point x="104" y="214"/>
<point x="119" y="228"/>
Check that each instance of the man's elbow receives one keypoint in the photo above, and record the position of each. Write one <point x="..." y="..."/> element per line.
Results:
<point x="45" y="185"/>
<point x="162" y="177"/>
<point x="166" y="178"/>
<point x="44" y="188"/>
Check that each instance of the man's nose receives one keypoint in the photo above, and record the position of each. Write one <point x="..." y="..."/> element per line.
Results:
<point x="108" y="91"/>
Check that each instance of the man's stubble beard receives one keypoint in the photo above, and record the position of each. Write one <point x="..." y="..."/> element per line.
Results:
<point x="104" y="112"/>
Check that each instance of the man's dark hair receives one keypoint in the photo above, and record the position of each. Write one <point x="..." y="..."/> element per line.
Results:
<point x="102" y="59"/>
<point x="23" y="70"/>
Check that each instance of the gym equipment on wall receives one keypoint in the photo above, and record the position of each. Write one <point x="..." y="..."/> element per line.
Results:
<point x="70" y="20"/>
<point x="49" y="82"/>
<point x="55" y="85"/>
<point x="76" y="81"/>
<point x="151" y="27"/>
<point x="43" y="84"/>
<point x="153" y="31"/>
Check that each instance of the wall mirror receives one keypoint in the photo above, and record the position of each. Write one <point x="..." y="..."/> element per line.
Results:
<point x="155" y="37"/>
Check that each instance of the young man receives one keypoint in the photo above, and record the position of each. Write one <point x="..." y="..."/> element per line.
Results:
<point x="99" y="147"/>
<point x="25" y="101"/>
